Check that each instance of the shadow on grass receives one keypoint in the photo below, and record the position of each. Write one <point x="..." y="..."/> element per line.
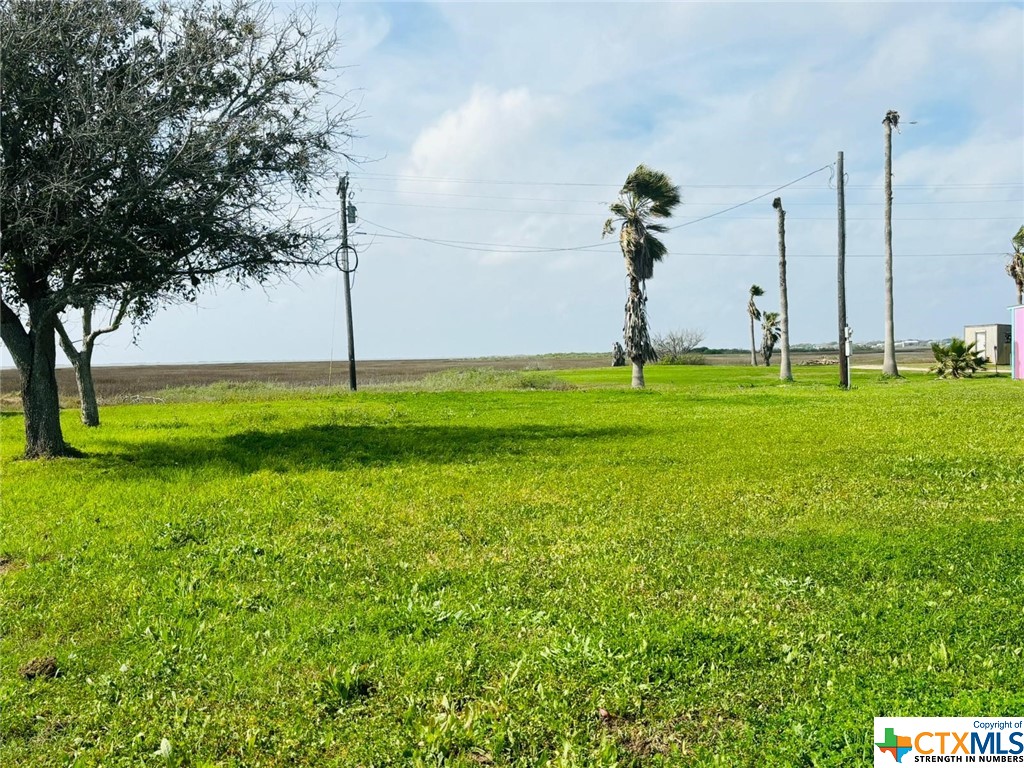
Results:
<point x="343" y="447"/>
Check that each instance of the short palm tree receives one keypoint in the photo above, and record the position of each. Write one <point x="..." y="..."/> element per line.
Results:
<point x="646" y="196"/>
<point x="957" y="359"/>
<point x="1015" y="269"/>
<point x="771" y="330"/>
<point x="755" y="314"/>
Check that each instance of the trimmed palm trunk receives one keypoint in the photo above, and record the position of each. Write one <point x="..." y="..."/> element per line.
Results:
<point x="889" y="368"/>
<point x="785" y="369"/>
<point x="638" y="338"/>
<point x="753" y="343"/>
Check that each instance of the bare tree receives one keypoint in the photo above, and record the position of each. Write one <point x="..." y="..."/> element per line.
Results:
<point x="675" y="344"/>
<point x="892" y="120"/>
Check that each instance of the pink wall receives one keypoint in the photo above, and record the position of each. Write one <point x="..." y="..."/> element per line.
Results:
<point x="1018" y="343"/>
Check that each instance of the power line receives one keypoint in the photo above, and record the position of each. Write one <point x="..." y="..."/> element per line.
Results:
<point x="535" y="199"/>
<point x="492" y="181"/>
<point x="505" y="248"/>
<point x="460" y="243"/>
<point x="751" y="200"/>
<point x="508" y="248"/>
<point x="485" y="197"/>
<point x="459" y="180"/>
<point x="485" y="210"/>
<point x="593" y="249"/>
<point x="684" y="224"/>
<point x="731" y="218"/>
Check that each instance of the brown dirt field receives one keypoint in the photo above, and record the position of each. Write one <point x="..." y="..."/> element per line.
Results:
<point x="120" y="383"/>
<point x="115" y="383"/>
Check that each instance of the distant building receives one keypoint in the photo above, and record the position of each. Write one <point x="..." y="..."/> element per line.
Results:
<point x="994" y="341"/>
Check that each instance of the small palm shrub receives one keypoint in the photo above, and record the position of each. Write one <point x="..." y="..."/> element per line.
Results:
<point x="771" y="332"/>
<point x="956" y="359"/>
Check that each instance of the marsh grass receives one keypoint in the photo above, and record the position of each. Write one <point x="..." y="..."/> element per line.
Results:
<point x="721" y="570"/>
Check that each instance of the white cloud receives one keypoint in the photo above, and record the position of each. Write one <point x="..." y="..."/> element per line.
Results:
<point x="481" y="135"/>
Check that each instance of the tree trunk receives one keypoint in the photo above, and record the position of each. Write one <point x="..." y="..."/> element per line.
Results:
<point x="638" y="374"/>
<point x="753" y="343"/>
<point x="41" y="404"/>
<point x="785" y="370"/>
<point x="82" y="363"/>
<point x="889" y="357"/>
<point x="86" y="389"/>
<point x="35" y="353"/>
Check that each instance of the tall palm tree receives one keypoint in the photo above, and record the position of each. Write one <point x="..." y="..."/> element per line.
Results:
<point x="1015" y="268"/>
<point x="892" y="120"/>
<point x="771" y="331"/>
<point x="755" y="314"/>
<point x="647" y="195"/>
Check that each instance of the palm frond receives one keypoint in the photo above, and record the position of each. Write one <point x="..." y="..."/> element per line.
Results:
<point x="655" y="248"/>
<point x="756" y="290"/>
<point x="1018" y="241"/>
<point x="654" y="187"/>
<point x="619" y="209"/>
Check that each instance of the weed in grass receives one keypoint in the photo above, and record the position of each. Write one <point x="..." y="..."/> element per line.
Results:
<point x="341" y="687"/>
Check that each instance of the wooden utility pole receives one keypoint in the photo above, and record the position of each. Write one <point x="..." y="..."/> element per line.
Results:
<point x="343" y="194"/>
<point x="785" y="369"/>
<point x="844" y="360"/>
<point x="892" y="120"/>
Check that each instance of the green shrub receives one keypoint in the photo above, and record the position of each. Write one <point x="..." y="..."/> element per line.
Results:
<point x="688" y="358"/>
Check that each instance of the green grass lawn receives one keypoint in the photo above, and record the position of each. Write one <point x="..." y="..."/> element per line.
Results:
<point x="720" y="570"/>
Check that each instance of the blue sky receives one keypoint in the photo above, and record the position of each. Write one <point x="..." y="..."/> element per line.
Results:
<point x="560" y="101"/>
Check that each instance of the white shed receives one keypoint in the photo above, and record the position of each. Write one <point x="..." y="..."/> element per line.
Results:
<point x="994" y="341"/>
